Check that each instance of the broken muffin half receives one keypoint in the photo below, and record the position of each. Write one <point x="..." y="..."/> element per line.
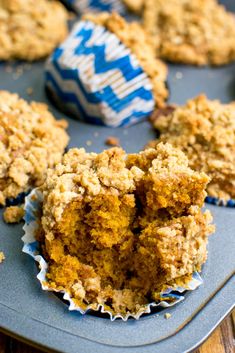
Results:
<point x="116" y="228"/>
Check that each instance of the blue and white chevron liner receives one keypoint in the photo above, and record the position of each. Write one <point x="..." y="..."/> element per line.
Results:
<point x="97" y="78"/>
<point x="33" y="206"/>
<point x="82" y="6"/>
<point x="219" y="202"/>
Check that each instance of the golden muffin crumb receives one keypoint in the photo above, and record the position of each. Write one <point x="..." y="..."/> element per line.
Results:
<point x="13" y="214"/>
<point x="141" y="44"/>
<point x="31" y="141"/>
<point x="167" y="316"/>
<point x="197" y="32"/>
<point x="205" y="131"/>
<point x="2" y="257"/>
<point x="112" y="141"/>
<point x="30" y="30"/>
<point x="117" y="228"/>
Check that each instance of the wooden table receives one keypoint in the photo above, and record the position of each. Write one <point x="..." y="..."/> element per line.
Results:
<point x="221" y="341"/>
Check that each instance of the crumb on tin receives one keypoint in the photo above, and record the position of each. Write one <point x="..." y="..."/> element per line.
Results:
<point x="112" y="141"/>
<point x="2" y="256"/>
<point x="167" y="316"/>
<point x="178" y="75"/>
<point x="88" y="142"/>
<point x="29" y="91"/>
<point x="13" y="214"/>
<point x="8" y="69"/>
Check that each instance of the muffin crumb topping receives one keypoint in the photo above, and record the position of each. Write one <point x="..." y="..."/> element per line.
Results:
<point x="205" y="131"/>
<point x="31" y="141"/>
<point x="30" y="32"/>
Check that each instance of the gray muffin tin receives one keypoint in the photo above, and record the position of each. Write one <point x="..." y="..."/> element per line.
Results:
<point x="42" y="319"/>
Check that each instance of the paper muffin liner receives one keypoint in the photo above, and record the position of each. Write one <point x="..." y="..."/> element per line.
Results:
<point x="82" y="6"/>
<point x="98" y="79"/>
<point x="169" y="297"/>
<point x="19" y="199"/>
<point x="220" y="202"/>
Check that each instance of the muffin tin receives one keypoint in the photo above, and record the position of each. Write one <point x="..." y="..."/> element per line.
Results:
<point x="41" y="318"/>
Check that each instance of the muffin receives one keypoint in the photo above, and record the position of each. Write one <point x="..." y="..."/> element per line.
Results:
<point x="197" y="32"/>
<point x="107" y="72"/>
<point x="31" y="141"/>
<point x="29" y="31"/>
<point x="205" y="131"/>
<point x="116" y="229"/>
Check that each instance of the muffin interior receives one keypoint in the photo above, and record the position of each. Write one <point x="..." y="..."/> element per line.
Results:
<point x="114" y="232"/>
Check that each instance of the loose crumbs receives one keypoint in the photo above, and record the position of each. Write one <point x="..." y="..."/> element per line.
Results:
<point x="2" y="257"/>
<point x="13" y="214"/>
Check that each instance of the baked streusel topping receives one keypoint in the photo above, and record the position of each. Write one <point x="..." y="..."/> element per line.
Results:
<point x="30" y="30"/>
<point x="116" y="228"/>
<point x="205" y="131"/>
<point x="141" y="44"/>
<point x="31" y="141"/>
<point x="195" y="32"/>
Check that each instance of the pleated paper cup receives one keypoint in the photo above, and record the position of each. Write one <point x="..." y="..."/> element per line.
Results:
<point x="220" y="202"/>
<point x="82" y="6"/>
<point x="19" y="199"/>
<point x="97" y="78"/>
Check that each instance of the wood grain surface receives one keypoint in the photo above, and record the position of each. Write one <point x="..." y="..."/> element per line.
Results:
<point x="222" y="340"/>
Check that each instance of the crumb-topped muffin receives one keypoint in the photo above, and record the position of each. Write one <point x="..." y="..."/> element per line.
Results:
<point x="141" y="44"/>
<point x="116" y="228"/>
<point x="197" y="32"/>
<point x="30" y="30"/>
<point x="205" y="131"/>
<point x="31" y="141"/>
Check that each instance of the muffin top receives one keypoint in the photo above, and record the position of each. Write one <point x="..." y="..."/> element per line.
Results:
<point x="205" y="131"/>
<point x="116" y="228"/>
<point x="195" y="32"/>
<point x="31" y="141"/>
<point x="30" y="32"/>
<point x="142" y="45"/>
<point x="83" y="175"/>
